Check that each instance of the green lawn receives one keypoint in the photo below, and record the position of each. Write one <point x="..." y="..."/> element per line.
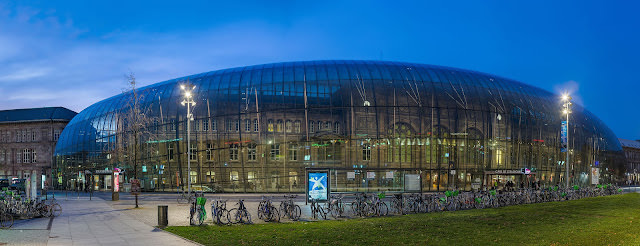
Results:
<point x="613" y="220"/>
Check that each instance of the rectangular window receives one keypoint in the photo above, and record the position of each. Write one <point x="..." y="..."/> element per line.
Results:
<point x="170" y="151"/>
<point x="293" y="152"/>
<point x="275" y="152"/>
<point x="366" y="152"/>
<point x="210" y="152"/>
<point x="33" y="136"/>
<point x="251" y="152"/>
<point x="194" y="151"/>
<point x="214" y="125"/>
<point x="205" y="125"/>
<point x="196" y="125"/>
<point x="256" y="126"/>
<point x="247" y="125"/>
<point x="19" y="156"/>
<point x="34" y="158"/>
<point x="56" y="135"/>
<point x="26" y="156"/>
<point x="2" y="153"/>
<point x="233" y="126"/>
<point x="233" y="152"/>
<point x="311" y="130"/>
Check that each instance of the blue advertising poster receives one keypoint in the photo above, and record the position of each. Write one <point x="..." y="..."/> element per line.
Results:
<point x="563" y="137"/>
<point x="318" y="186"/>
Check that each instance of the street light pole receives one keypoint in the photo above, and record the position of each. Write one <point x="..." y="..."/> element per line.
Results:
<point x="188" y="100"/>
<point x="567" y="110"/>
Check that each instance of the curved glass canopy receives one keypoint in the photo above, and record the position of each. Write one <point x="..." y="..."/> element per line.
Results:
<point x="371" y="123"/>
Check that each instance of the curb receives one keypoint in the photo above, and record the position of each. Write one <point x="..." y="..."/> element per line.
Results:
<point x="189" y="240"/>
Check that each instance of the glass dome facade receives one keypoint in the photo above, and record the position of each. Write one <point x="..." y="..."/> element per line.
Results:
<point x="370" y="123"/>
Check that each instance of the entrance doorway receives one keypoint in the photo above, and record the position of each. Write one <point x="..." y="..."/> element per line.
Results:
<point x="102" y="182"/>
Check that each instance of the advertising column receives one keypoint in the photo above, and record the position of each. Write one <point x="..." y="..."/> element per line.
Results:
<point x="34" y="183"/>
<point x="115" y="195"/>
<point x="318" y="185"/>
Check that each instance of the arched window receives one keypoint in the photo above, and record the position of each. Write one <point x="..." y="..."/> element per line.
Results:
<point x="270" y="125"/>
<point x="279" y="126"/>
<point x="288" y="127"/>
<point x="296" y="126"/>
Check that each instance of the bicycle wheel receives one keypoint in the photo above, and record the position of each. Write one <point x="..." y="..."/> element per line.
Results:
<point x="245" y="216"/>
<point x="193" y="217"/>
<point x="383" y="209"/>
<point x="223" y="217"/>
<point x="201" y="215"/>
<point x="296" y="212"/>
<point x="40" y="209"/>
<point x="56" y="210"/>
<point x="320" y="210"/>
<point x="6" y="220"/>
<point x="283" y="210"/>
<point x="234" y="216"/>
<point x="47" y="210"/>
<point x="333" y="209"/>
<point x="262" y="215"/>
<point x="354" y="209"/>
<point x="274" y="216"/>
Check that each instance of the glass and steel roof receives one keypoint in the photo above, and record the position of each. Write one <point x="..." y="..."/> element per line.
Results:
<point x="332" y="85"/>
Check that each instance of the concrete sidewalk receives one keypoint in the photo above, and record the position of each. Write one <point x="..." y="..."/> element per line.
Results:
<point x="95" y="222"/>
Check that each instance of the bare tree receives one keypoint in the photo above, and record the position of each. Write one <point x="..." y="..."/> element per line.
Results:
<point x="133" y="124"/>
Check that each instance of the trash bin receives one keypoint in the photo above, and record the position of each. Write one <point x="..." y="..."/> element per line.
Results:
<point x="163" y="219"/>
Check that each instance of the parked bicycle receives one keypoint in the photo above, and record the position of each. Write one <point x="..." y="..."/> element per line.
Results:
<point x="197" y="213"/>
<point x="336" y="206"/>
<point x="289" y="209"/>
<point x="268" y="212"/>
<point x="185" y="198"/>
<point x="317" y="210"/>
<point x="219" y="212"/>
<point x="240" y="214"/>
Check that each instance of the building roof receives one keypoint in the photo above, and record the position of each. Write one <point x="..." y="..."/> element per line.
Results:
<point x="36" y="114"/>
<point x="629" y="143"/>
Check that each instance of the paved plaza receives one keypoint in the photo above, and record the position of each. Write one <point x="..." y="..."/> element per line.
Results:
<point x="93" y="219"/>
<point x="87" y="222"/>
<point x="96" y="220"/>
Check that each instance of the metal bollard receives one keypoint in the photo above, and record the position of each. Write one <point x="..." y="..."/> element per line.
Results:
<point x="163" y="219"/>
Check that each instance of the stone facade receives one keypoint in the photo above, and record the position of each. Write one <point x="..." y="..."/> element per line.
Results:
<point x="27" y="143"/>
<point x="632" y="153"/>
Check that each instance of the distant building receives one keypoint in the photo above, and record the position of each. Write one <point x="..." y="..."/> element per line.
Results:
<point x="632" y="153"/>
<point x="28" y="138"/>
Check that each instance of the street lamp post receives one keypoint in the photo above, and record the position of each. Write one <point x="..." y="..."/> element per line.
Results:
<point x="188" y="100"/>
<point x="567" y="110"/>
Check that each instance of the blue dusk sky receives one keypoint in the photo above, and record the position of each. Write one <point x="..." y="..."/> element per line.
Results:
<point x="76" y="53"/>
